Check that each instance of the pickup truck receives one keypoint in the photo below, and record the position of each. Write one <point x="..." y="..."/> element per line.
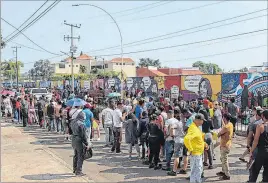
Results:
<point x="38" y="92"/>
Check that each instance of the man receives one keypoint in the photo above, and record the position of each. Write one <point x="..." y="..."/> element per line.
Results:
<point x="169" y="138"/>
<point x="118" y="119"/>
<point x="40" y="110"/>
<point x="88" y="121"/>
<point x="167" y="105"/>
<point x="195" y="144"/>
<point x="233" y="110"/>
<point x="107" y="121"/>
<point x="178" y="147"/>
<point x="226" y="135"/>
<point x="217" y="116"/>
<point x="24" y="111"/>
<point x="79" y="140"/>
<point x="51" y="116"/>
<point x="139" y="109"/>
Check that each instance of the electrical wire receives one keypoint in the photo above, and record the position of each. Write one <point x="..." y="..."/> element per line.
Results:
<point x="29" y="38"/>
<point x="218" y="54"/>
<point x="183" y="30"/>
<point x="35" y="20"/>
<point x="186" y="44"/>
<point x="27" y="19"/>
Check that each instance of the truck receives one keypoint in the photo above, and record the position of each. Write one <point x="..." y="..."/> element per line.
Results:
<point x="38" y="92"/>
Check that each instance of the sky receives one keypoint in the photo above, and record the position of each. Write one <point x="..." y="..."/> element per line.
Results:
<point x="140" y="20"/>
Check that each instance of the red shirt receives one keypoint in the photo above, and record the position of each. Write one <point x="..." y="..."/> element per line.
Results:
<point x="18" y="105"/>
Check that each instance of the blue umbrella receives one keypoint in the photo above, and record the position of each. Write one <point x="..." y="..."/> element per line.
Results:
<point x="75" y="102"/>
<point x="114" y="94"/>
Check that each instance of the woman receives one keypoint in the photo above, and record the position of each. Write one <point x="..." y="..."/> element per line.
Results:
<point x="131" y="134"/>
<point x="205" y="89"/>
<point x="31" y="114"/>
<point x="260" y="142"/>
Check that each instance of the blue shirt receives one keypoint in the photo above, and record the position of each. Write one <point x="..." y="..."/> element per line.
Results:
<point x="138" y="111"/>
<point x="89" y="116"/>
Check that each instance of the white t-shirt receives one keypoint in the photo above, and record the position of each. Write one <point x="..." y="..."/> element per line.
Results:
<point x="179" y="132"/>
<point x="107" y="114"/>
<point x="170" y="125"/>
<point x="7" y="103"/>
<point x="74" y="112"/>
<point x="117" y="115"/>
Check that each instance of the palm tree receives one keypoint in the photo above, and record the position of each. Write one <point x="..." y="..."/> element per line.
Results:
<point x="83" y="69"/>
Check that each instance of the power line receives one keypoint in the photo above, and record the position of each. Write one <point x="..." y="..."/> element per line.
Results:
<point x="174" y="12"/>
<point x="27" y="19"/>
<point x="22" y="45"/>
<point x="186" y="44"/>
<point x="35" y="20"/>
<point x="183" y="30"/>
<point x="29" y="38"/>
<point x="218" y="54"/>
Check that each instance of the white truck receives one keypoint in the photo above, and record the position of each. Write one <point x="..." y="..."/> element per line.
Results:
<point x="39" y="92"/>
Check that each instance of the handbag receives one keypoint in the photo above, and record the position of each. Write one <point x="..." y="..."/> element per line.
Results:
<point x="87" y="153"/>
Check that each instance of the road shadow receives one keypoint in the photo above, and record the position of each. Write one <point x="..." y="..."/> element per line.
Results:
<point x="48" y="176"/>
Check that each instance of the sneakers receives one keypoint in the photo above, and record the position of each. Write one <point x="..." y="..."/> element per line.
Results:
<point x="225" y="177"/>
<point x="182" y="172"/>
<point x="79" y="174"/>
<point x="220" y="174"/>
<point x="210" y="167"/>
<point x="242" y="159"/>
<point x="205" y="164"/>
<point x="151" y="166"/>
<point x="172" y="173"/>
<point x="157" y="167"/>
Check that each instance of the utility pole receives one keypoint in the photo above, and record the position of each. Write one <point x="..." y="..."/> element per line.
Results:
<point x="72" y="48"/>
<point x="17" y="68"/>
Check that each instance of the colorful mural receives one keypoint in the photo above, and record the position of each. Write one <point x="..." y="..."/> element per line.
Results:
<point x="195" y="86"/>
<point x="111" y="84"/>
<point x="138" y="85"/>
<point x="247" y="88"/>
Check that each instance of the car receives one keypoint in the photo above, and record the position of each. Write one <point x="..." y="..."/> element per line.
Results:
<point x="38" y="92"/>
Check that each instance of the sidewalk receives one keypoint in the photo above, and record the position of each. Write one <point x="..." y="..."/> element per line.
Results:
<point x="24" y="161"/>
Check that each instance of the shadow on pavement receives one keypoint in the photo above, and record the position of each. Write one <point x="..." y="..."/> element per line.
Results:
<point x="48" y="176"/>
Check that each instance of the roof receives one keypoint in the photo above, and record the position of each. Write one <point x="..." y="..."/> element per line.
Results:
<point x="144" y="72"/>
<point x="84" y="57"/>
<point x="191" y="72"/>
<point x="119" y="60"/>
<point x="178" y="71"/>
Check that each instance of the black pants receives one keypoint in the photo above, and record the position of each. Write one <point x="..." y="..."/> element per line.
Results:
<point x="143" y="143"/>
<point x="260" y="161"/>
<point x="78" y="155"/>
<point x="233" y="121"/>
<point x="24" y="119"/>
<point x="40" y="117"/>
<point x="154" y="146"/>
<point x="116" y="143"/>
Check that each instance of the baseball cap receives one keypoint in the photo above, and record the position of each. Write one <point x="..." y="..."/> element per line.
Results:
<point x="200" y="117"/>
<point x="87" y="105"/>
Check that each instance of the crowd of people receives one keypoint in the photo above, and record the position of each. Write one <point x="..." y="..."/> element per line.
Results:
<point x="160" y="131"/>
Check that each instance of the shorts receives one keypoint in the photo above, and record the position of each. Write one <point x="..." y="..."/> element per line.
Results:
<point x="178" y="150"/>
<point x="8" y="110"/>
<point x="184" y="151"/>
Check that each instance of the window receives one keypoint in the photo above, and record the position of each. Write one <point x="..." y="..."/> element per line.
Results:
<point x="61" y="66"/>
<point x="132" y="63"/>
<point x="76" y="65"/>
<point x="69" y="65"/>
<point x="124" y="64"/>
<point x="116" y="63"/>
<point x="106" y="65"/>
<point x="120" y="64"/>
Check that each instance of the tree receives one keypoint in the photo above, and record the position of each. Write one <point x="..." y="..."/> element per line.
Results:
<point x="207" y="68"/>
<point x="245" y="69"/>
<point x="82" y="69"/>
<point x="9" y="69"/>
<point x="42" y="69"/>
<point x="145" y="62"/>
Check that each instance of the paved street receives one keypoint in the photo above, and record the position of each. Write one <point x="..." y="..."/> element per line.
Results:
<point x="45" y="156"/>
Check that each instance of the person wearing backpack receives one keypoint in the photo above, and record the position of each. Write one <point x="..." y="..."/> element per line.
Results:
<point x="233" y="110"/>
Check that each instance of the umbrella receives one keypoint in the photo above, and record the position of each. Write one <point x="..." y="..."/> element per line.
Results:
<point x="114" y="94"/>
<point x="5" y="92"/>
<point x="75" y="102"/>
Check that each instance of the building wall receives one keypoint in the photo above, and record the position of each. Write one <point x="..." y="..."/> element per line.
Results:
<point x="128" y="68"/>
<point x="67" y="68"/>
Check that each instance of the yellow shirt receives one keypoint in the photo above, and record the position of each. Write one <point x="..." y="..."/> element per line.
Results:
<point x="227" y="135"/>
<point x="194" y="140"/>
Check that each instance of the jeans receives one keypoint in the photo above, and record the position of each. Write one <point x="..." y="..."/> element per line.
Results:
<point x="58" y="124"/>
<point x="88" y="133"/>
<point x="196" y="163"/>
<point x="136" y="146"/>
<point x="108" y="134"/>
<point x="116" y="143"/>
<point x="144" y="144"/>
<point x="78" y="155"/>
<point x="52" y="124"/>
<point x="224" y="161"/>
<point x="169" y="147"/>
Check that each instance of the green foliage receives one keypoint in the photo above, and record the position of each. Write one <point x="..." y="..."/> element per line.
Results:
<point x="9" y="68"/>
<point x="207" y="68"/>
<point x="42" y="69"/>
<point x="145" y="62"/>
<point x="82" y="69"/>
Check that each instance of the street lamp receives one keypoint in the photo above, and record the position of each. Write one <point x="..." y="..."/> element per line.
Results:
<point x="121" y="39"/>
